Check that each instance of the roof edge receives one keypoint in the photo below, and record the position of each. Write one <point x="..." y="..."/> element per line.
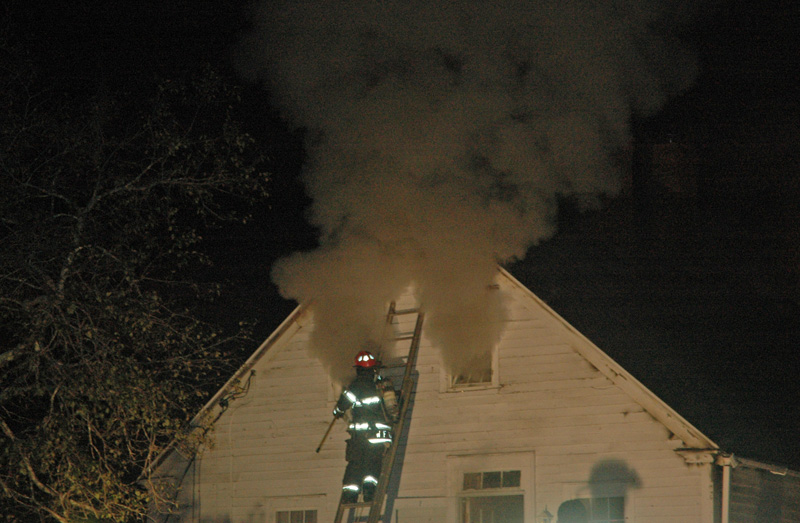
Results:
<point x="655" y="406"/>
<point x="197" y="421"/>
<point x="262" y="349"/>
<point x="778" y="470"/>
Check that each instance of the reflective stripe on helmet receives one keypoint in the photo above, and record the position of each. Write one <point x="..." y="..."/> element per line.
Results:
<point x="365" y="359"/>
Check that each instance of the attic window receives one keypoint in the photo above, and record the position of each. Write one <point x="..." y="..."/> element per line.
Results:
<point x="474" y="378"/>
<point x="481" y="376"/>
<point x="296" y="516"/>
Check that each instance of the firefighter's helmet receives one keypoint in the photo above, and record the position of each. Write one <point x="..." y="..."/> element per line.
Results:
<point x="365" y="360"/>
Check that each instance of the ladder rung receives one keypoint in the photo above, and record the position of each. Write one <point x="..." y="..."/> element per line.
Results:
<point x="363" y="504"/>
<point x="403" y="312"/>
<point x="403" y="337"/>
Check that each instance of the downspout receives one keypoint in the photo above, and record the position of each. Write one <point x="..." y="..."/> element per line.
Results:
<point x="727" y="462"/>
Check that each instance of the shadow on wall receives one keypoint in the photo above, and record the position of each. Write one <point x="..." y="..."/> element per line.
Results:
<point x="607" y="488"/>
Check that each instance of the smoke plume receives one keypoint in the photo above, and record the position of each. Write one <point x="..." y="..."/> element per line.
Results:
<point x="440" y="135"/>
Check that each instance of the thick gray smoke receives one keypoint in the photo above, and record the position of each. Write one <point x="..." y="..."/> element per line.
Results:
<point x="440" y="135"/>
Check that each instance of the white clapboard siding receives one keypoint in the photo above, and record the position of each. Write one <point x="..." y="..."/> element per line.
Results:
<point x="566" y="415"/>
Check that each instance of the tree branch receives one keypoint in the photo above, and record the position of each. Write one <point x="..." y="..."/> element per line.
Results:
<point x="28" y="467"/>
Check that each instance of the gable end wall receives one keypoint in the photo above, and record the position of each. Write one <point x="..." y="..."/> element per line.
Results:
<point x="571" y="430"/>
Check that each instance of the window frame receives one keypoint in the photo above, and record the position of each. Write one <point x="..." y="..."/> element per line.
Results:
<point x="483" y="474"/>
<point x="458" y="465"/>
<point x="468" y="495"/>
<point x="304" y="503"/>
<point x="605" y="489"/>
<point x="446" y="379"/>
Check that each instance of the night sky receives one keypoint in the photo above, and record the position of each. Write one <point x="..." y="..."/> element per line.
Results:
<point x="690" y="284"/>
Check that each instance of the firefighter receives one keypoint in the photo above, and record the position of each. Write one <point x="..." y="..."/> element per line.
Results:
<point x="370" y="429"/>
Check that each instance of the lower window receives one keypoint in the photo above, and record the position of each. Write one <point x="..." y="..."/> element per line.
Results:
<point x="492" y="509"/>
<point x="296" y="516"/>
<point x="484" y="499"/>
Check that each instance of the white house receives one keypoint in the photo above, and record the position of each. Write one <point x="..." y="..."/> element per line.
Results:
<point x="558" y="425"/>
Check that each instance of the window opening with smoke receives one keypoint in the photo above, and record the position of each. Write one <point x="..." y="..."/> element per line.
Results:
<point x="482" y="376"/>
<point x="480" y="373"/>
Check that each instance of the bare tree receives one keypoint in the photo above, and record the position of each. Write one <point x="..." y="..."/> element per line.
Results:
<point x="102" y="357"/>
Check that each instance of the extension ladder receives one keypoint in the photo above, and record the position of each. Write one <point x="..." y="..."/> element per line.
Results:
<point x="376" y="505"/>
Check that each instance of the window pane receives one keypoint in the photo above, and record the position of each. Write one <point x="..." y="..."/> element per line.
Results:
<point x="472" y="481"/>
<point x="593" y="510"/>
<point x="574" y="511"/>
<point x="599" y="509"/>
<point x="282" y="517"/>
<point x="297" y="516"/>
<point x="493" y="509"/>
<point x="616" y="508"/>
<point x="311" y="516"/>
<point x="491" y="480"/>
<point x="511" y="478"/>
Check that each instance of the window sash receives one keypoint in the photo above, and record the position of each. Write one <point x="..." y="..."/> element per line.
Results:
<point x="604" y="510"/>
<point x="491" y="480"/>
<point x="296" y="516"/>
